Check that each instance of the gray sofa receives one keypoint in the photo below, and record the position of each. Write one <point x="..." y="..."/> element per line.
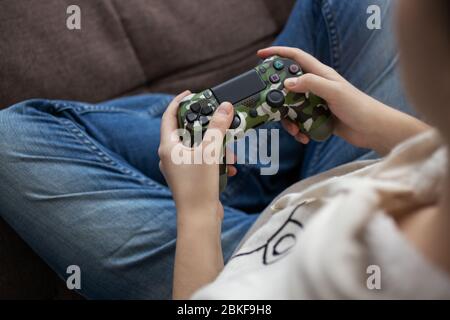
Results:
<point x="123" y="48"/>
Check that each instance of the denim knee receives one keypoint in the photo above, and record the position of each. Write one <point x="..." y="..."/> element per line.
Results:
<point x="16" y="120"/>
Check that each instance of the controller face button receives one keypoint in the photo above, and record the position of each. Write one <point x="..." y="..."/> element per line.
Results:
<point x="195" y="107"/>
<point x="207" y="110"/>
<point x="253" y="113"/>
<point x="275" y="98"/>
<point x="204" y="121"/>
<point x="278" y="65"/>
<point x="294" y="69"/>
<point x="274" y="78"/>
<point x="236" y="122"/>
<point x="191" y="116"/>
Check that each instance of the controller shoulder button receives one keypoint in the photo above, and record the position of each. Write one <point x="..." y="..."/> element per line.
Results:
<point x="207" y="94"/>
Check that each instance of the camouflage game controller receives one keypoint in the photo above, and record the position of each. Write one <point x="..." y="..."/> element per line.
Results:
<point x="258" y="97"/>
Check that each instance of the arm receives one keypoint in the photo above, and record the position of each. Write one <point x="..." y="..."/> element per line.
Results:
<point x="195" y="189"/>
<point x="361" y="120"/>
<point x="198" y="258"/>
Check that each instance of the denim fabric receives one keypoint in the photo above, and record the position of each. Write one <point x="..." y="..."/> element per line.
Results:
<point x="80" y="182"/>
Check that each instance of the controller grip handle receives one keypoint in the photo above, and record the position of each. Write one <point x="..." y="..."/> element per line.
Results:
<point x="321" y="133"/>
<point x="313" y="116"/>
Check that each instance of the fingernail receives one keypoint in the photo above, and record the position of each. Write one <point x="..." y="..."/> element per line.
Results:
<point x="225" y="108"/>
<point x="291" y="82"/>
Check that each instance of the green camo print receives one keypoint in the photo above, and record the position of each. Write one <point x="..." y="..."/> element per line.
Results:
<point x="300" y="108"/>
<point x="310" y="112"/>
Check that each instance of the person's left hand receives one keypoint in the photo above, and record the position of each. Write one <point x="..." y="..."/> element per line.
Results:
<point x="195" y="187"/>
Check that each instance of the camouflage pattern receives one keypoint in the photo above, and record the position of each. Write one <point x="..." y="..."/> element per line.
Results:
<point x="310" y="112"/>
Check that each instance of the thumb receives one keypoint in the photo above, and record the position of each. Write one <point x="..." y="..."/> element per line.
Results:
<point x="219" y="124"/>
<point x="309" y="82"/>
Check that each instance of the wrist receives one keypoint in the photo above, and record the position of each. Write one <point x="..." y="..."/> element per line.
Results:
<point x="206" y="227"/>
<point x="196" y="217"/>
<point x="393" y="128"/>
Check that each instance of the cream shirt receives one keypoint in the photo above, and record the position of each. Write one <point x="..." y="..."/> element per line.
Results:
<point x="330" y="237"/>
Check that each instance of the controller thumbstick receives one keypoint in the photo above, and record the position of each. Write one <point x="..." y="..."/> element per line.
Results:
<point x="275" y="98"/>
<point x="236" y="122"/>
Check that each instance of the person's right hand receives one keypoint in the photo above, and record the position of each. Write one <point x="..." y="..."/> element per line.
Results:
<point x="361" y="120"/>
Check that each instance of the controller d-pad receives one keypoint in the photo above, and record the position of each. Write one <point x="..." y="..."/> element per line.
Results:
<point x="195" y="107"/>
<point x="204" y="121"/>
<point x="207" y="110"/>
<point x="236" y="122"/>
<point x="191" y="117"/>
<point x="275" y="98"/>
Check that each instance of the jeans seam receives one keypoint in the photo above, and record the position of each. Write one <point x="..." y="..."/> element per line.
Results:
<point x="84" y="139"/>
<point x="330" y="23"/>
<point x="82" y="108"/>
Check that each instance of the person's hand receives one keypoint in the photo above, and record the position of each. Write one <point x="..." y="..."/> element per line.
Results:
<point x="194" y="185"/>
<point x="361" y="120"/>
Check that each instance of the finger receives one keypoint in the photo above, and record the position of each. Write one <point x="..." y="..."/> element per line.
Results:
<point x="230" y="156"/>
<point x="219" y="124"/>
<point x="302" y="138"/>
<point x="232" y="171"/>
<point x="306" y="61"/>
<point x="320" y="86"/>
<point x="290" y="127"/>
<point x="169" y="122"/>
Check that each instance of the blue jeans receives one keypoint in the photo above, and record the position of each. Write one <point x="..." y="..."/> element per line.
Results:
<point x="80" y="183"/>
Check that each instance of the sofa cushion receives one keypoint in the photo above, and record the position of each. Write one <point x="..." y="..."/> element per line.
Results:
<point x="129" y="46"/>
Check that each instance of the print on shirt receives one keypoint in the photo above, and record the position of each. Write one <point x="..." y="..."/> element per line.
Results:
<point x="280" y="243"/>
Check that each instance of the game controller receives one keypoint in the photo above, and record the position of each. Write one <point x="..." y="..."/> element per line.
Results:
<point x="258" y="97"/>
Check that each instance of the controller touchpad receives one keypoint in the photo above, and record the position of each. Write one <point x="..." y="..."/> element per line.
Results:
<point x="239" y="88"/>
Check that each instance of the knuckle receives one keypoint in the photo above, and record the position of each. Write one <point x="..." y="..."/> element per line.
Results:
<point x="329" y="72"/>
<point x="218" y="122"/>
<point x="308" y="79"/>
<point x="338" y="91"/>
<point x="297" y="53"/>
<point x="339" y="88"/>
